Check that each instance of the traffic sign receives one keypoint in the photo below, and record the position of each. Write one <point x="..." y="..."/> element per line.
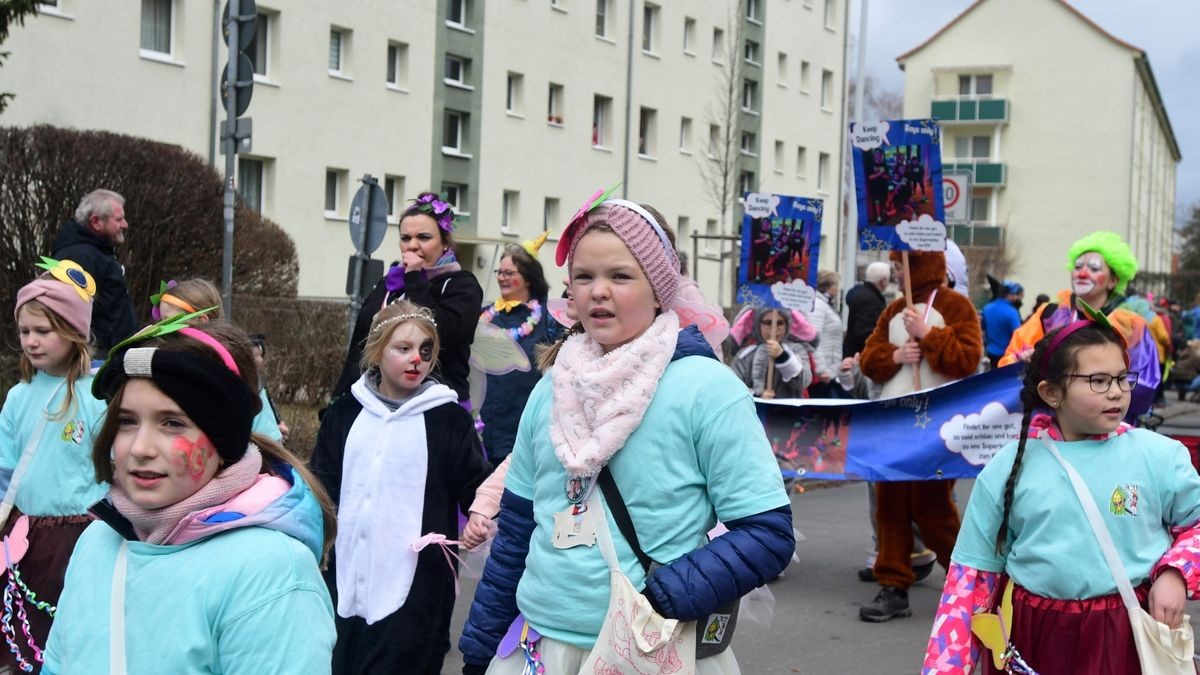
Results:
<point x="956" y="195"/>
<point x="374" y="218"/>
<point x="248" y="17"/>
<point x="244" y="86"/>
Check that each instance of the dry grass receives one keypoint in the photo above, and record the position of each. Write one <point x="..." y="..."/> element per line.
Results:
<point x="302" y="424"/>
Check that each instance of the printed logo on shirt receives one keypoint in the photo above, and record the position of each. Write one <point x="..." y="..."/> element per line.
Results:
<point x="714" y="630"/>
<point x="73" y="432"/>
<point x="1124" y="501"/>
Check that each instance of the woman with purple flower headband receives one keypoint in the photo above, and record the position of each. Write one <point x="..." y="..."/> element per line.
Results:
<point x="428" y="274"/>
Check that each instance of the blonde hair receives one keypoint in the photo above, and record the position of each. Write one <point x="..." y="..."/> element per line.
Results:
<point x="387" y="320"/>
<point x="200" y="294"/>
<point x="80" y="358"/>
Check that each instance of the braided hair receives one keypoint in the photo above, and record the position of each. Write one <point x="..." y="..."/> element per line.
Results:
<point x="1054" y="368"/>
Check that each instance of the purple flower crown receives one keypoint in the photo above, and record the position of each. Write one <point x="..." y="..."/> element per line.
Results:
<point x="431" y="206"/>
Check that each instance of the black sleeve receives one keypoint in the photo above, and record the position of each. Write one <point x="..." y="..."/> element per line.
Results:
<point x="468" y="467"/>
<point x="455" y="300"/>
<point x="326" y="460"/>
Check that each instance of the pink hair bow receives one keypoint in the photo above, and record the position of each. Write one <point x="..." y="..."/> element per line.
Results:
<point x="445" y="544"/>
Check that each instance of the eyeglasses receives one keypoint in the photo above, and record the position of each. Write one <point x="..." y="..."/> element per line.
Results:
<point x="505" y="274"/>
<point x="1102" y="382"/>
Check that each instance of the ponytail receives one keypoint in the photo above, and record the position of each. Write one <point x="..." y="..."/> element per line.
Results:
<point x="546" y="354"/>
<point x="1010" y="485"/>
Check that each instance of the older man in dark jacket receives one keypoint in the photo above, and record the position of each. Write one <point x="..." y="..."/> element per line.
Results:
<point x="90" y="239"/>
<point x="865" y="303"/>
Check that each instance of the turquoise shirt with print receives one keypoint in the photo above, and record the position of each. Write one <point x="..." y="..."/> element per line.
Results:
<point x="264" y="422"/>
<point x="61" y="480"/>
<point x="1142" y="482"/>
<point x="700" y="454"/>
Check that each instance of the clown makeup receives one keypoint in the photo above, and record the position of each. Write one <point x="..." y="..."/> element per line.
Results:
<point x="160" y="456"/>
<point x="1092" y="279"/>
<point x="406" y="360"/>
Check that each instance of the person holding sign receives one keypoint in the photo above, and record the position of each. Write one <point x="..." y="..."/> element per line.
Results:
<point x="937" y="335"/>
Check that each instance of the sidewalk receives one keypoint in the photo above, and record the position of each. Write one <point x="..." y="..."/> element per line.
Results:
<point x="1179" y="417"/>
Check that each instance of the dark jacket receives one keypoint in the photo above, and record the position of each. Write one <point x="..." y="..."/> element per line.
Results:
<point x="865" y="303"/>
<point x="454" y="297"/>
<point x="113" y="317"/>
<point x="754" y="551"/>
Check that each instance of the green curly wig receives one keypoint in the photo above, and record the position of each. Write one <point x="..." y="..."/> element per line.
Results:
<point x="1115" y="252"/>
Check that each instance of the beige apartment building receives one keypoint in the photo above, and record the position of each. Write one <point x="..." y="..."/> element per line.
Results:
<point x="515" y="110"/>
<point x="1062" y="125"/>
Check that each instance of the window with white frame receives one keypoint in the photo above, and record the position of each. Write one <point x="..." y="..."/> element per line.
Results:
<point x="456" y="13"/>
<point x="602" y="14"/>
<point x="981" y="208"/>
<point x="509" y="203"/>
<point x="335" y="190"/>
<point x="685" y="134"/>
<point x="782" y="69"/>
<point x="747" y="182"/>
<point x="778" y="156"/>
<point x="714" y="141"/>
<point x="649" y="27"/>
<point x="457" y="71"/>
<point x="751" y="52"/>
<point x="822" y="170"/>
<point x="554" y="104"/>
<point x="158" y="26"/>
<point x="752" y="11"/>
<point x="683" y="232"/>
<point x="339" y="48"/>
<point x="250" y="182"/>
<point x="801" y="162"/>
<point x="748" y="143"/>
<point x="393" y="189"/>
<point x="710" y="229"/>
<point x="749" y="95"/>
<point x="826" y="90"/>
<point x="550" y="214"/>
<point x="601" y="120"/>
<point x="831" y="14"/>
<point x="974" y="85"/>
<point x="804" y="76"/>
<point x="689" y="34"/>
<point x="972" y="147"/>
<point x="647" y="123"/>
<point x="514" y="93"/>
<point x="397" y="65"/>
<point x="259" y="49"/>
<point x="454" y="131"/>
<point x="718" y="45"/>
<point x="456" y="197"/>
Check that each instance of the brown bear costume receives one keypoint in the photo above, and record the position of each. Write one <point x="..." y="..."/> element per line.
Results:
<point x="950" y="351"/>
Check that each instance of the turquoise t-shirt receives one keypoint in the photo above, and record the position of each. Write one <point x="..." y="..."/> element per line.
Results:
<point x="61" y="480"/>
<point x="699" y="454"/>
<point x="264" y="421"/>
<point x="249" y="600"/>
<point x="1143" y="484"/>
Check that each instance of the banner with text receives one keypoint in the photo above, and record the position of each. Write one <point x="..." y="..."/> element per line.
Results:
<point x="781" y="240"/>
<point x="898" y="183"/>
<point x="949" y="431"/>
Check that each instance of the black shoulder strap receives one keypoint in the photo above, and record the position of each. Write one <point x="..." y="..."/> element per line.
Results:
<point x="616" y="505"/>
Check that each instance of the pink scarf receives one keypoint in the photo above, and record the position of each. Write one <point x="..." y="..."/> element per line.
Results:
<point x="1041" y="423"/>
<point x="154" y="525"/>
<point x="599" y="399"/>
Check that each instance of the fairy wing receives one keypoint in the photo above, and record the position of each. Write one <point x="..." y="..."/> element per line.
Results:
<point x="993" y="629"/>
<point x="708" y="319"/>
<point x="495" y="352"/>
<point x="558" y="309"/>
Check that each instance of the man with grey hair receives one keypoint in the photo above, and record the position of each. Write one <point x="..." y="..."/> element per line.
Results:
<point x="89" y="238"/>
<point x="865" y="303"/>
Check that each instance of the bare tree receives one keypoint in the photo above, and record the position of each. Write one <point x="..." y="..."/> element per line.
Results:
<point x="721" y="168"/>
<point x="13" y="12"/>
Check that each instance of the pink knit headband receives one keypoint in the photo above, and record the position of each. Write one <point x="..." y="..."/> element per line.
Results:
<point x="641" y="234"/>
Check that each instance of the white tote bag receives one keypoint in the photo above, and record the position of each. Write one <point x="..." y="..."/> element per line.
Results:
<point x="634" y="638"/>
<point x="1161" y="650"/>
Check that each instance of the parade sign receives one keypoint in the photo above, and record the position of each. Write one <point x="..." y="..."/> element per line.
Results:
<point x="949" y="431"/>
<point x="781" y="239"/>
<point x="898" y="183"/>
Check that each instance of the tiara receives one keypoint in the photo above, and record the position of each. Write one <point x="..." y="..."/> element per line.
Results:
<point x="423" y="316"/>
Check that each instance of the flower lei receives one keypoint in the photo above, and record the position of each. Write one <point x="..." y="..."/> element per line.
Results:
<point x="526" y="327"/>
<point x="430" y="205"/>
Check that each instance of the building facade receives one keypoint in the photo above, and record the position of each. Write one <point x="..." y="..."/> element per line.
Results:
<point x="1062" y="126"/>
<point x="514" y="110"/>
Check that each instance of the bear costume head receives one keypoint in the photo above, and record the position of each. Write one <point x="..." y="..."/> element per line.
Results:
<point x="927" y="271"/>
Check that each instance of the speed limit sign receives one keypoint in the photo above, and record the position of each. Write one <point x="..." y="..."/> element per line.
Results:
<point x="956" y="196"/>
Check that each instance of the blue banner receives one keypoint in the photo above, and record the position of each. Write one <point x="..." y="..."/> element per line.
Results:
<point x="949" y="431"/>
<point x="898" y="184"/>
<point x="781" y="241"/>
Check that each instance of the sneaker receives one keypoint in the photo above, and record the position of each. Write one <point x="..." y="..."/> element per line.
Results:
<point x="891" y="603"/>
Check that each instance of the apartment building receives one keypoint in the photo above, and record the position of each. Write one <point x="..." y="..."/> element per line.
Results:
<point x="514" y="110"/>
<point x="1061" y="124"/>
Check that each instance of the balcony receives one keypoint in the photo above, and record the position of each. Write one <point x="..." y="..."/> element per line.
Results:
<point x="969" y="110"/>
<point x="978" y="234"/>
<point x="986" y="172"/>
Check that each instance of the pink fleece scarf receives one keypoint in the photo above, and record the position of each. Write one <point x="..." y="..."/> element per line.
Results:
<point x="1041" y="423"/>
<point x="154" y="526"/>
<point x="599" y="399"/>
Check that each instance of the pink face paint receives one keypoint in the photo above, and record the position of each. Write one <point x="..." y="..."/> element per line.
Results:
<point x="192" y="456"/>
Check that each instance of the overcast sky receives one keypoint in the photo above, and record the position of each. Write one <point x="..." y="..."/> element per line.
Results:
<point x="1164" y="29"/>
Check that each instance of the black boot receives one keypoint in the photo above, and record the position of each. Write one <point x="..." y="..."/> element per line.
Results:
<point x="889" y="604"/>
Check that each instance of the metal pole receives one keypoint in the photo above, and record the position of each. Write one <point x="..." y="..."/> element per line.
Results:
<point x="359" y="257"/>
<point x="628" y="103"/>
<point x="229" y="138"/>
<point x="851" y="228"/>
<point x="215" y="84"/>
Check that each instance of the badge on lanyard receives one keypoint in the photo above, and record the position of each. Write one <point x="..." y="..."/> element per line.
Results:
<point x="573" y="527"/>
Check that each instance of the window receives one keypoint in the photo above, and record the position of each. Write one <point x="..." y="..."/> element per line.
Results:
<point x="822" y="170"/>
<point x="826" y="89"/>
<point x="646" y="127"/>
<point x="508" y="210"/>
<point x="158" y="18"/>
<point x="335" y="187"/>
<point x="456" y="197"/>
<point x="393" y="189"/>
<point x="746" y="182"/>
<point x="830" y="14"/>
<point x="714" y="141"/>
<point x="602" y="12"/>
<point x="749" y="95"/>
<point x="689" y="34"/>
<point x="250" y="183"/>
<point x="513" y="90"/>
<point x="259" y="48"/>
<point x="980" y="208"/>
<point x="601" y="120"/>
<point x="802" y="162"/>
<point x="649" y="27"/>
<point x="710" y="229"/>
<point x="804" y="76"/>
<point x="558" y="4"/>
<point x="554" y="104"/>
<point x="456" y="13"/>
<point x="718" y="50"/>
<point x="550" y="214"/>
<point x="751" y="52"/>
<point x="748" y="143"/>
<point x="752" y="10"/>
<point x="397" y="65"/>
<point x="454" y="132"/>
<point x="979" y="85"/>
<point x="972" y="147"/>
<point x="783" y="69"/>
<point x="683" y="232"/>
<point x="457" y="70"/>
<point x="338" y="49"/>
<point x="685" y="134"/>
<point x="778" y="156"/>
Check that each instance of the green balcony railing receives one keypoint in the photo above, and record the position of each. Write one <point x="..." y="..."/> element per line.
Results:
<point x="970" y="110"/>
<point x="986" y="173"/>
<point x="977" y="234"/>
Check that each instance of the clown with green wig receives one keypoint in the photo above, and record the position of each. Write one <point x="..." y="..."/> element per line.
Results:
<point x="1101" y="266"/>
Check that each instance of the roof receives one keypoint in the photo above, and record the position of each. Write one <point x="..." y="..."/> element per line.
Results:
<point x="1141" y="63"/>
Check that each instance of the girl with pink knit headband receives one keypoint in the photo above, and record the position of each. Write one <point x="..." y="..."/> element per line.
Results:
<point x="641" y="413"/>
